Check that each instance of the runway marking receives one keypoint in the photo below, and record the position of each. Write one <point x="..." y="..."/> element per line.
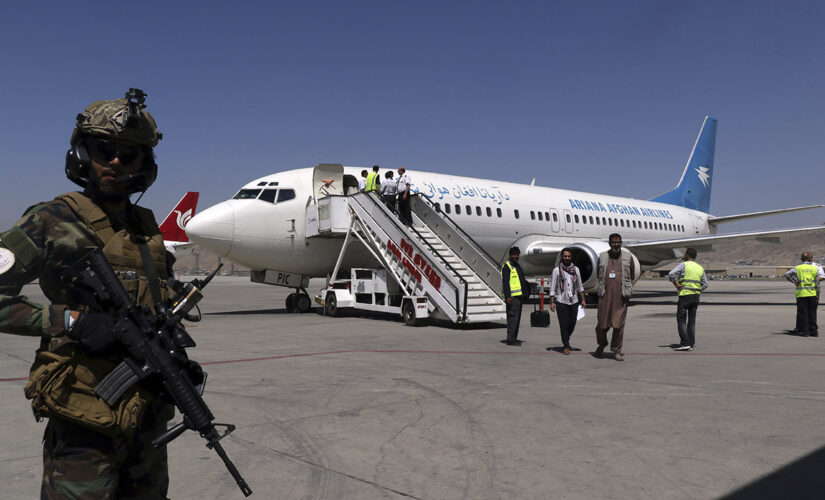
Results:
<point x="403" y="351"/>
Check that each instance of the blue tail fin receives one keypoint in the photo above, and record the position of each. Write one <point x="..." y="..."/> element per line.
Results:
<point x="693" y="190"/>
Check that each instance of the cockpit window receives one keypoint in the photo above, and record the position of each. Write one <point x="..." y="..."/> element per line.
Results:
<point x="285" y="195"/>
<point x="268" y="195"/>
<point x="247" y="194"/>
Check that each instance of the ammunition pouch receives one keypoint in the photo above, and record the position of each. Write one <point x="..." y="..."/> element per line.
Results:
<point x="62" y="385"/>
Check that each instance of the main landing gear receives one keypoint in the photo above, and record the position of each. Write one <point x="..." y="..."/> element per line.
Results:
<point x="298" y="302"/>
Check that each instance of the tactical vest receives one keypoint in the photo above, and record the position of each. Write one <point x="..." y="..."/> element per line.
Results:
<point x="515" y="282"/>
<point x="372" y="182"/>
<point x="63" y="375"/>
<point x="806" y="274"/>
<point x="692" y="280"/>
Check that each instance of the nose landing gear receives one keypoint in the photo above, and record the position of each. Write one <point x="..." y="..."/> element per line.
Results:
<point x="298" y="302"/>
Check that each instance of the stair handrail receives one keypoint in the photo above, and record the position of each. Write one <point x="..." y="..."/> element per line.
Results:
<point x="442" y="261"/>
<point x="428" y="204"/>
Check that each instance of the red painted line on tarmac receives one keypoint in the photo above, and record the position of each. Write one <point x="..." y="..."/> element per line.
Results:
<point x="400" y="351"/>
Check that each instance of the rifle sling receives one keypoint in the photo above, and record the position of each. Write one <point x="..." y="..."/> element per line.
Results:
<point x="151" y="271"/>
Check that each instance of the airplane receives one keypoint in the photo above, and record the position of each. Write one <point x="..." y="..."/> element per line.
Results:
<point x="264" y="225"/>
<point x="173" y="226"/>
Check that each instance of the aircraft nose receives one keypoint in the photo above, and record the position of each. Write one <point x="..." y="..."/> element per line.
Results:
<point x="213" y="228"/>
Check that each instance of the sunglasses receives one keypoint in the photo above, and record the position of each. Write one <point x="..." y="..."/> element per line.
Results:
<point x="107" y="151"/>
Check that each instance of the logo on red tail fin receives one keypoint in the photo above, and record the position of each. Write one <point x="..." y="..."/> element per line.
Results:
<point x="174" y="224"/>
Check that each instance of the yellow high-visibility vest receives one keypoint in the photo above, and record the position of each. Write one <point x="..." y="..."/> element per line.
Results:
<point x="806" y="274"/>
<point x="372" y="182"/>
<point x="515" y="282"/>
<point x="692" y="280"/>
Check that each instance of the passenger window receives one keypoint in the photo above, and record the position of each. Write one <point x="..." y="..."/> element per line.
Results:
<point x="478" y="211"/>
<point x="555" y="217"/>
<point x="540" y="216"/>
<point x="268" y="195"/>
<point x="247" y="194"/>
<point x="458" y="209"/>
<point x="498" y="212"/>
<point x="547" y="216"/>
<point x="515" y="212"/>
<point x="532" y="215"/>
<point x="469" y="210"/>
<point x="591" y="219"/>
<point x="567" y="216"/>
<point x="447" y="207"/>
<point x="645" y="224"/>
<point x="285" y="195"/>
<point x="576" y="217"/>
<point x="489" y="212"/>
<point x="621" y="222"/>
<point x="597" y="221"/>
<point x="609" y="222"/>
<point x="438" y="207"/>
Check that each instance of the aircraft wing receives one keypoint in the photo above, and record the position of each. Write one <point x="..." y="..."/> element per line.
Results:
<point x="732" y="218"/>
<point x="708" y="240"/>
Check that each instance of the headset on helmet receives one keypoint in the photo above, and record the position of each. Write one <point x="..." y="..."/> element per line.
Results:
<point x="123" y="120"/>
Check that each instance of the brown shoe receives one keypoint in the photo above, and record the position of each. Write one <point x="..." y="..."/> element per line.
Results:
<point x="619" y="357"/>
<point x="566" y="351"/>
<point x="599" y="351"/>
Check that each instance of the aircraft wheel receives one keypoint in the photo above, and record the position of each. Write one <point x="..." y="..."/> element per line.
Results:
<point x="331" y="304"/>
<point x="302" y="302"/>
<point x="408" y="313"/>
<point x="290" y="303"/>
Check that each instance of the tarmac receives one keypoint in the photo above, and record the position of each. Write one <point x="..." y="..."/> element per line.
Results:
<point x="364" y="407"/>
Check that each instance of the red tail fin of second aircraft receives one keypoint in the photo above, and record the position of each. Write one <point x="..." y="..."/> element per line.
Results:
<point x="174" y="224"/>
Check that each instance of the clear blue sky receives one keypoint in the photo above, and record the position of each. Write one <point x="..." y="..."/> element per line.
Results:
<point x="596" y="96"/>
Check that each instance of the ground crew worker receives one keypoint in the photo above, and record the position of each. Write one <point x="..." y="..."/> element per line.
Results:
<point x="805" y="276"/>
<point x="690" y="281"/>
<point x="91" y="449"/>
<point x="373" y="181"/>
<point x="515" y="290"/>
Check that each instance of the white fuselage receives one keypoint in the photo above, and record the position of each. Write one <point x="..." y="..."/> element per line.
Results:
<point x="498" y="215"/>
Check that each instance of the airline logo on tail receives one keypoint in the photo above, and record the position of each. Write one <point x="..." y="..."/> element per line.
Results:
<point x="183" y="218"/>
<point x="704" y="175"/>
<point x="174" y="224"/>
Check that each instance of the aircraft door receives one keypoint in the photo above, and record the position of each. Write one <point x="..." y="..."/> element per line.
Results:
<point x="568" y="221"/>
<point x="554" y="220"/>
<point x="327" y="179"/>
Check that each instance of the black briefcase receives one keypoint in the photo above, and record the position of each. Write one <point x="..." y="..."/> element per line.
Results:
<point x="540" y="318"/>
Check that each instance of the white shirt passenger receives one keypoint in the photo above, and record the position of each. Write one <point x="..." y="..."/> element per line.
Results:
<point x="403" y="182"/>
<point x="389" y="188"/>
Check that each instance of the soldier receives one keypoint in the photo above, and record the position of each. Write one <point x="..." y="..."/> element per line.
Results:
<point x="91" y="449"/>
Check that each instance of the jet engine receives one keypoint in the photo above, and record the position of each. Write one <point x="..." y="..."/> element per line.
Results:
<point x="586" y="258"/>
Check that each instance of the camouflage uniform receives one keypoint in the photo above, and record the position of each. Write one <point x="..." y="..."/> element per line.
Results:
<point x="91" y="450"/>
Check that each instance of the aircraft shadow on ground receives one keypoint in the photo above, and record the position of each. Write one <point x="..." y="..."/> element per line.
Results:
<point x="802" y="478"/>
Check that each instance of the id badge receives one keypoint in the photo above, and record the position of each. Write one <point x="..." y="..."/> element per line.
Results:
<point x="611" y="275"/>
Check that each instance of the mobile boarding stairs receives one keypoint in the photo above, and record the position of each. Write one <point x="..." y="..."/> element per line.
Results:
<point x="430" y="269"/>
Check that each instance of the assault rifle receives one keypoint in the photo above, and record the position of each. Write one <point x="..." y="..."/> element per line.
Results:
<point x="153" y="346"/>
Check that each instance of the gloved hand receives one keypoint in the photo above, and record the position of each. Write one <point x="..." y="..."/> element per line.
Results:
<point x="95" y="331"/>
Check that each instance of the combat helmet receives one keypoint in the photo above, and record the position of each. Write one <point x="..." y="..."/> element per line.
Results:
<point x="124" y="120"/>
